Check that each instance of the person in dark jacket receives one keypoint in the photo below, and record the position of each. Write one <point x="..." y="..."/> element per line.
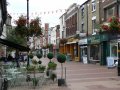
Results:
<point x="10" y="58"/>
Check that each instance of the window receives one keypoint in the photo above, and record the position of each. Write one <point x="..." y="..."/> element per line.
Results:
<point x="94" y="52"/>
<point x="93" y="6"/>
<point x="110" y="12"/>
<point x="82" y="12"/>
<point x="82" y="26"/>
<point x="0" y="14"/>
<point x="113" y="49"/>
<point x="93" y="25"/>
<point x="62" y="34"/>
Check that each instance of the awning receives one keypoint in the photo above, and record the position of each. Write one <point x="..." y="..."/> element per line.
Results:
<point x="14" y="45"/>
<point x="74" y="41"/>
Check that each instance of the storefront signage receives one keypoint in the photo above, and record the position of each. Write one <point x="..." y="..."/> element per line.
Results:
<point x="104" y="37"/>
<point x="95" y="39"/>
<point x="82" y="41"/>
<point x="114" y="36"/>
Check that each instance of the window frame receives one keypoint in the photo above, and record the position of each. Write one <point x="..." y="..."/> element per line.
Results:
<point x="93" y="6"/>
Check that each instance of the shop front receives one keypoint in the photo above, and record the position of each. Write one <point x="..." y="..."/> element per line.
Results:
<point x="83" y="50"/>
<point x="98" y="49"/>
<point x="72" y="49"/>
<point x="94" y="49"/>
<point x="114" y="46"/>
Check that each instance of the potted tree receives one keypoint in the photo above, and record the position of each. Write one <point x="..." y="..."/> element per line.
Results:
<point x="39" y="56"/>
<point x="51" y="65"/>
<point x="30" y="55"/>
<point x="35" y="80"/>
<point x="50" y="55"/>
<point x="61" y="59"/>
<point x="41" y="68"/>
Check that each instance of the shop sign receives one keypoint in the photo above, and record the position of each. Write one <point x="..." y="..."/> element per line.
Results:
<point x="82" y="41"/>
<point x="114" y="36"/>
<point x="104" y="37"/>
<point x="94" y="39"/>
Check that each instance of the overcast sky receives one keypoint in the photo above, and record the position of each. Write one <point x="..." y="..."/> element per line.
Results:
<point x="46" y="9"/>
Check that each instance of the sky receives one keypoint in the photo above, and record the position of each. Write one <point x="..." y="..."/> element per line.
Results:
<point x="48" y="10"/>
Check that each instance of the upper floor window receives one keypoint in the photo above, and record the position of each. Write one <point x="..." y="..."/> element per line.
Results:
<point x="62" y="34"/>
<point x="0" y="14"/>
<point x="82" y="27"/>
<point x="110" y="12"/>
<point x="93" y="6"/>
<point x="93" y="25"/>
<point x="82" y="12"/>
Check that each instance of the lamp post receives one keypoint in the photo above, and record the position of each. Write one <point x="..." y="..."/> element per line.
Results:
<point x="28" y="13"/>
<point x="118" y="68"/>
<point x="28" y="63"/>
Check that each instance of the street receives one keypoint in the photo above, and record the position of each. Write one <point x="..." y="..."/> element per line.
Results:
<point x="81" y="76"/>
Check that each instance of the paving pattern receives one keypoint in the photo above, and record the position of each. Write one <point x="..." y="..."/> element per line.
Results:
<point x="81" y="76"/>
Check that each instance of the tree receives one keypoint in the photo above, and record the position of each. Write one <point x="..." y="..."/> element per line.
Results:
<point x="33" y="29"/>
<point x="11" y="36"/>
<point x="26" y="29"/>
<point x="50" y="55"/>
<point x="61" y="59"/>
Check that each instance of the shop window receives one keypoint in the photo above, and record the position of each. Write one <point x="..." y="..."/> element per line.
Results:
<point x="94" y="52"/>
<point x="114" y="50"/>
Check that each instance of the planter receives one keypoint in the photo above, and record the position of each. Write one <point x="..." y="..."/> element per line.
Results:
<point x="61" y="82"/>
<point x="35" y="81"/>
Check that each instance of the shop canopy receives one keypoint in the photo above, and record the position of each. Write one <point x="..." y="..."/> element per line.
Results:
<point x="14" y="45"/>
<point x="73" y="41"/>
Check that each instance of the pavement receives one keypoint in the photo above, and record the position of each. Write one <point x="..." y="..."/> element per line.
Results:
<point x="81" y="76"/>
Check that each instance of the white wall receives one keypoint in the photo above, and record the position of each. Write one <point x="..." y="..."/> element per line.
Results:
<point x="53" y="36"/>
<point x="62" y="25"/>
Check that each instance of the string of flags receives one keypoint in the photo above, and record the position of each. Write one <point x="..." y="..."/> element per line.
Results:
<point x="41" y="13"/>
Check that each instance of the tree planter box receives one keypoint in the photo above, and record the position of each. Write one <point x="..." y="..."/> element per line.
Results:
<point x="61" y="82"/>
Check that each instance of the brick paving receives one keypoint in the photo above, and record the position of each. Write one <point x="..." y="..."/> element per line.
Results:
<point x="81" y="76"/>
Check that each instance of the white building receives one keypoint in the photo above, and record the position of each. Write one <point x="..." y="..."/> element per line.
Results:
<point x="62" y="26"/>
<point x="53" y="35"/>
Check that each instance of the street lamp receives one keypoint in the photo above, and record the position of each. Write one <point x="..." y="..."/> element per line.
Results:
<point x="28" y="13"/>
<point x="28" y="44"/>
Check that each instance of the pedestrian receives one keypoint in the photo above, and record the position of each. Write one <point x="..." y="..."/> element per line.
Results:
<point x="9" y="58"/>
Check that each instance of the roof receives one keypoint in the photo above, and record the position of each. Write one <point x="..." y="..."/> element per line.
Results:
<point x="14" y="45"/>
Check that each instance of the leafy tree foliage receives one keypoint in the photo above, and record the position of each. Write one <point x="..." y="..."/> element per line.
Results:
<point x="13" y="37"/>
<point x="33" y="29"/>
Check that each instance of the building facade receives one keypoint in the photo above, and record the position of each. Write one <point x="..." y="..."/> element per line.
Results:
<point x="72" y="29"/>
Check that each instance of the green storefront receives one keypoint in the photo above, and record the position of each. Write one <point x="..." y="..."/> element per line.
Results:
<point x="98" y="48"/>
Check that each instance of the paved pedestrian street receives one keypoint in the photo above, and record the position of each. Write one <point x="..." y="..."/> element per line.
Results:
<point x="81" y="76"/>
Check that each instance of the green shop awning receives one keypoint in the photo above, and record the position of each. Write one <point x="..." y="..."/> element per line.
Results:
<point x="96" y="39"/>
<point x="14" y="45"/>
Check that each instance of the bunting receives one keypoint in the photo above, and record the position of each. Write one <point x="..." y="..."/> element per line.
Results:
<point x="41" y="13"/>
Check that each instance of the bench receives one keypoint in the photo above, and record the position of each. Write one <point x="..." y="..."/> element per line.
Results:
<point x="94" y="61"/>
